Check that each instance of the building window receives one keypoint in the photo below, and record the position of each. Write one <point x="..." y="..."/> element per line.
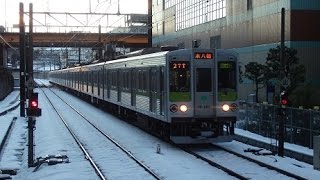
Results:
<point x="191" y="12"/>
<point x="215" y="42"/>
<point x="170" y="3"/>
<point x="249" y="4"/>
<point x="163" y="27"/>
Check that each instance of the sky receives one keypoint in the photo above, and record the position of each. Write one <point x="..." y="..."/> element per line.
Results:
<point x="9" y="9"/>
<point x="170" y="163"/>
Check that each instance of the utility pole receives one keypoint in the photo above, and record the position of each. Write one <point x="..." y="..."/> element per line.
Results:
<point x="282" y="114"/>
<point x="100" y="44"/>
<point x="30" y="86"/>
<point x="22" y="61"/>
<point x="29" y="60"/>
<point x="149" y="23"/>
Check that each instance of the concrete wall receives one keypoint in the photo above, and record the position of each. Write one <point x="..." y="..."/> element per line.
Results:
<point x="6" y="82"/>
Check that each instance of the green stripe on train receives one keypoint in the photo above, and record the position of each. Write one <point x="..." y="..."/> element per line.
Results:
<point x="179" y="96"/>
<point x="227" y="96"/>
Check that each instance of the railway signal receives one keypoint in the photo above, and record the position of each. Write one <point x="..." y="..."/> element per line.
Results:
<point x="284" y="98"/>
<point x="33" y="107"/>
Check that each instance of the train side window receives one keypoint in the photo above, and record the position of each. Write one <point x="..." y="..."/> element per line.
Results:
<point x="105" y="78"/>
<point x="120" y="74"/>
<point x="114" y="79"/>
<point x="133" y="79"/>
<point x="127" y="80"/>
<point x="96" y="77"/>
<point x="109" y="78"/>
<point x="122" y="80"/>
<point x="139" y="80"/>
<point x="146" y="80"/>
<point x="161" y="80"/>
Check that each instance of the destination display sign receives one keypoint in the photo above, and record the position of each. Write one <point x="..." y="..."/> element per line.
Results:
<point x="203" y="55"/>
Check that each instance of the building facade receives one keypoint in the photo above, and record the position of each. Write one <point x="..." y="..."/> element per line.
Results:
<point x="250" y="27"/>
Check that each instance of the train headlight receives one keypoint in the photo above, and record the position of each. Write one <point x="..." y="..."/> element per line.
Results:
<point x="183" y="108"/>
<point x="225" y="107"/>
<point x="173" y="108"/>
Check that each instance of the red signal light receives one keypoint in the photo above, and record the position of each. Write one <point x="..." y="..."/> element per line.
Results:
<point x="33" y="101"/>
<point x="33" y="109"/>
<point x="284" y="101"/>
<point x="284" y="98"/>
<point x="33" y="104"/>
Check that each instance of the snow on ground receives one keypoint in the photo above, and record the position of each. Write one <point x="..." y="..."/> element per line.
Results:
<point x="293" y="147"/>
<point x="10" y="101"/>
<point x="51" y="138"/>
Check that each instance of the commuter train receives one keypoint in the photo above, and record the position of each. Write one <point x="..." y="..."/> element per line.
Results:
<point x="187" y="96"/>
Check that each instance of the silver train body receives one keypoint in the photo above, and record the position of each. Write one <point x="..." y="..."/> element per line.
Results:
<point x="188" y="96"/>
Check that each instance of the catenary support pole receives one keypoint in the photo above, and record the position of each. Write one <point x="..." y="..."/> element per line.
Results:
<point x="31" y="120"/>
<point x="149" y="23"/>
<point x="22" y="61"/>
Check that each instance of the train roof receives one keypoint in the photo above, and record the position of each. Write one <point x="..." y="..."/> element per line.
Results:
<point x="147" y="51"/>
<point x="157" y="54"/>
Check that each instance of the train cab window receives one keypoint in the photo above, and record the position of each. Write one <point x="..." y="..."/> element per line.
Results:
<point x="179" y="76"/>
<point x="203" y="80"/>
<point x="227" y="81"/>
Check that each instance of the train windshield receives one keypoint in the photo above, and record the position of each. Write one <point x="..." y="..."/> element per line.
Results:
<point x="179" y="79"/>
<point x="227" y="81"/>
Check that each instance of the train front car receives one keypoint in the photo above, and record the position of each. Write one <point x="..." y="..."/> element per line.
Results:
<point x="194" y="103"/>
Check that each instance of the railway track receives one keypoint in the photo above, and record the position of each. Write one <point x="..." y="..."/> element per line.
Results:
<point x="252" y="169"/>
<point x="6" y="173"/>
<point x="224" y="159"/>
<point x="262" y="164"/>
<point x="214" y="164"/>
<point x="105" y="140"/>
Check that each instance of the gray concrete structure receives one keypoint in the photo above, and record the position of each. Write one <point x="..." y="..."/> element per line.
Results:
<point x="250" y="27"/>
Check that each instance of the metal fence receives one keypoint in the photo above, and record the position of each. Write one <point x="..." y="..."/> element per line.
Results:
<point x="300" y="125"/>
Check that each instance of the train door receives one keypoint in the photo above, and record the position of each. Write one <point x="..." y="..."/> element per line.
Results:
<point x="154" y="81"/>
<point x="92" y="80"/>
<point x="133" y="87"/>
<point x="204" y="91"/>
<point x="98" y="81"/>
<point x="119" y="78"/>
<point x="105" y="86"/>
<point x="109" y="81"/>
<point x="77" y="81"/>
<point x="87" y="81"/>
<point x="161" y="90"/>
<point x="102" y="80"/>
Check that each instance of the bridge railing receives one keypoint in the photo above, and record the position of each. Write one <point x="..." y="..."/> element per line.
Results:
<point x="81" y="30"/>
<point x="300" y="125"/>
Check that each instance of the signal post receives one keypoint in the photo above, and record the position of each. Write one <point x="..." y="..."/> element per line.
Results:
<point x="33" y="111"/>
<point x="284" y="101"/>
<point x="27" y="81"/>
